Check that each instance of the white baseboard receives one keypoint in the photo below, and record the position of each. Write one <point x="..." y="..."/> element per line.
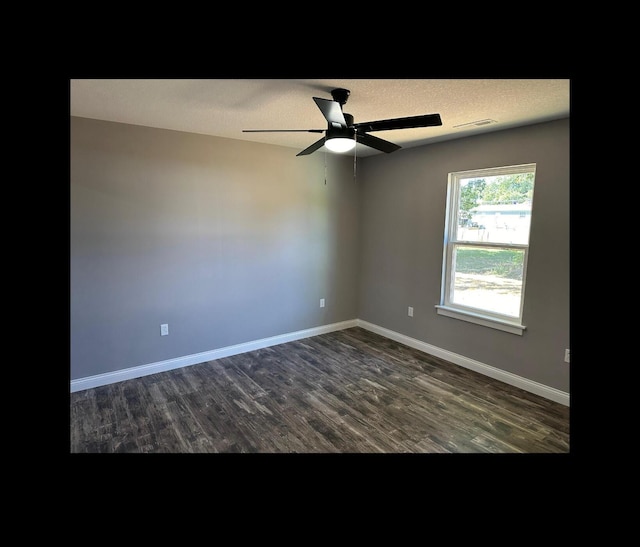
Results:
<point x="493" y="372"/>
<point x="162" y="366"/>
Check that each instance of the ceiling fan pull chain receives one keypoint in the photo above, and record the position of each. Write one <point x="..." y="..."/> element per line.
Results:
<point x="325" y="167"/>
<point x="354" y="155"/>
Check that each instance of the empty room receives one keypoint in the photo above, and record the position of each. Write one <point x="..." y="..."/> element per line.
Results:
<point x="319" y="266"/>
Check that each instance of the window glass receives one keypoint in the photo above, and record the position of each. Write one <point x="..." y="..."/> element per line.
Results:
<point x="488" y="279"/>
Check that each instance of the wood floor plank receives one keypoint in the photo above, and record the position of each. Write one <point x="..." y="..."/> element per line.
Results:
<point x="350" y="391"/>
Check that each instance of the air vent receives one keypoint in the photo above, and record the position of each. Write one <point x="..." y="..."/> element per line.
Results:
<point x="477" y="123"/>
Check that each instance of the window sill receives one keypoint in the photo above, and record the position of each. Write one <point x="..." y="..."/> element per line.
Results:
<point x="484" y="320"/>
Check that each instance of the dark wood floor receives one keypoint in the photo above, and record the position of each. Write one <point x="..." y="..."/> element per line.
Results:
<point x="347" y="391"/>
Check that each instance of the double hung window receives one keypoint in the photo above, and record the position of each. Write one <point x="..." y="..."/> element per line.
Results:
<point x="486" y="246"/>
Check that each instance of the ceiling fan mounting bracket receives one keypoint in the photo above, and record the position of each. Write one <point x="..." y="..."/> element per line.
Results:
<point x="340" y="95"/>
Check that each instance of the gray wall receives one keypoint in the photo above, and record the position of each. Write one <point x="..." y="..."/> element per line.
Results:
<point x="229" y="242"/>
<point x="224" y="240"/>
<point x="402" y="209"/>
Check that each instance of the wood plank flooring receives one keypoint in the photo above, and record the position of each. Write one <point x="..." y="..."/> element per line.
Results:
<point x="350" y="391"/>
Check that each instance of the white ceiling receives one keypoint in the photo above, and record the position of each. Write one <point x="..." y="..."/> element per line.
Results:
<point x="224" y="107"/>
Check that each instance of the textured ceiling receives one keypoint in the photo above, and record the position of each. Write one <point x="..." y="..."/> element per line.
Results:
<point x="224" y="107"/>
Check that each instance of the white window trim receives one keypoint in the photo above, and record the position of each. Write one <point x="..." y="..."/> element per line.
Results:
<point x="478" y="317"/>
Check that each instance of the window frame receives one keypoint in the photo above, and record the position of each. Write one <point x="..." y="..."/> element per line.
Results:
<point x="478" y="316"/>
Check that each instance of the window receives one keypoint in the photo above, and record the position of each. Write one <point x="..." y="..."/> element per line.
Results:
<point x="486" y="245"/>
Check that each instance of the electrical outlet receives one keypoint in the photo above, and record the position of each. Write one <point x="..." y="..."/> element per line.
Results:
<point x="410" y="311"/>
<point x="164" y="329"/>
<point x="567" y="355"/>
<point x="322" y="302"/>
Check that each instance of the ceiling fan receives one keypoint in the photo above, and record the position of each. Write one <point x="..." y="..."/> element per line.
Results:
<point x="342" y="134"/>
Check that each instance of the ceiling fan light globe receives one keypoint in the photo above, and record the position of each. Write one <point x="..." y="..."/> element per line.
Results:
<point x="340" y="144"/>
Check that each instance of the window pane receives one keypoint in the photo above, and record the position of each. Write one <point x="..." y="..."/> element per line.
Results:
<point x="495" y="209"/>
<point x="488" y="279"/>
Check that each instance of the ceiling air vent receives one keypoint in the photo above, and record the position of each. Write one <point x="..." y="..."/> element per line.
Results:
<point x="477" y="123"/>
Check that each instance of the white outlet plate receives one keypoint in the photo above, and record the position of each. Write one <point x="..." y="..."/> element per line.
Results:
<point x="567" y="355"/>
<point x="410" y="312"/>
<point x="322" y="302"/>
<point x="164" y="329"/>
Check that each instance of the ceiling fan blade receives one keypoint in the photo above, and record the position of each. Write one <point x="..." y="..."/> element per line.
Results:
<point x="283" y="130"/>
<point x="312" y="148"/>
<point x="332" y="111"/>
<point x="375" y="142"/>
<point x="428" y="120"/>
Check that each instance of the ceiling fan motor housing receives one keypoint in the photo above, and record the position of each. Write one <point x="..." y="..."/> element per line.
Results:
<point x="335" y="131"/>
<point x="340" y="132"/>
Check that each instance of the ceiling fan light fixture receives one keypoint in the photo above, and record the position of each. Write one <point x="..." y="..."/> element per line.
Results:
<point x="340" y="144"/>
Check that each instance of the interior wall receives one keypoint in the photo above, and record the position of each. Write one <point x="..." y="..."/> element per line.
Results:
<point x="229" y="242"/>
<point x="402" y="215"/>
<point x="225" y="241"/>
